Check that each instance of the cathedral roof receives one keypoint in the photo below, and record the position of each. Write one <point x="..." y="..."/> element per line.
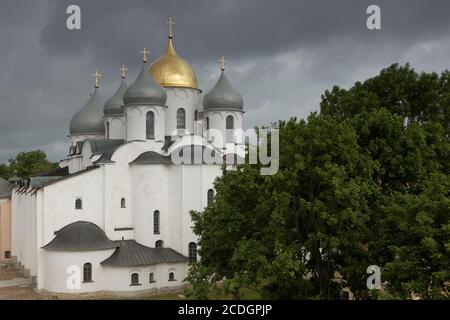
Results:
<point x="152" y="157"/>
<point x="80" y="236"/>
<point x="89" y="120"/>
<point x="170" y="70"/>
<point x="129" y="253"/>
<point x="223" y="96"/>
<point x="145" y="91"/>
<point x="114" y="106"/>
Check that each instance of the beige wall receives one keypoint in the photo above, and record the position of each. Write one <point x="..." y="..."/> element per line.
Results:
<point x="5" y="227"/>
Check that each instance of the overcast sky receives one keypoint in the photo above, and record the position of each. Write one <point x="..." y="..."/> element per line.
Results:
<point x="281" y="55"/>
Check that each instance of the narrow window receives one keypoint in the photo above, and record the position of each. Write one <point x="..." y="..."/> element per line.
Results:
<point x="123" y="203"/>
<point x="230" y="123"/>
<point x="134" y="279"/>
<point x="150" y="125"/>
<point x="159" y="244"/>
<point x="107" y="130"/>
<point x="181" y="119"/>
<point x="152" y="277"/>
<point x="192" y="252"/>
<point x="78" y="204"/>
<point x="87" y="272"/>
<point x="156" y="218"/>
<point x="210" y="196"/>
<point x="207" y="123"/>
<point x="172" y="276"/>
<point x="196" y="115"/>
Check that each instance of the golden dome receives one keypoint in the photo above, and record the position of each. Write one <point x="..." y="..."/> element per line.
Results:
<point x="170" y="70"/>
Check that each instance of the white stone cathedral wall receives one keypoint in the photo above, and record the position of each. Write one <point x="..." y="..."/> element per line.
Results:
<point x="189" y="100"/>
<point x="106" y="278"/>
<point x="136" y="122"/>
<point x="57" y="264"/>
<point x="59" y="202"/>
<point x="24" y="231"/>
<point x="150" y="193"/>
<point x="217" y="126"/>
<point x="116" y="127"/>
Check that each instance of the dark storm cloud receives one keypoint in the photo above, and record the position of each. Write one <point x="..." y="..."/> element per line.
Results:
<point x="281" y="54"/>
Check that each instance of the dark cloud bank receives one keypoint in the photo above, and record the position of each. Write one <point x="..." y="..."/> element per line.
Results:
<point x="281" y="54"/>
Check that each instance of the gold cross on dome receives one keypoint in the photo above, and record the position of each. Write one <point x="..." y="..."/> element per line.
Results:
<point x="123" y="71"/>
<point x="222" y="63"/>
<point x="97" y="77"/>
<point x="145" y="52"/>
<point x="171" y="23"/>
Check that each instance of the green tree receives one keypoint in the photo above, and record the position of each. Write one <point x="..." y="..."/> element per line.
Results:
<point x="27" y="164"/>
<point x="288" y="235"/>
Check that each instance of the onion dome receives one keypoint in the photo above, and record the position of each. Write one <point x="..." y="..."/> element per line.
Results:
<point x="89" y="120"/>
<point x="114" y="106"/>
<point x="223" y="96"/>
<point x="145" y="90"/>
<point x="170" y="70"/>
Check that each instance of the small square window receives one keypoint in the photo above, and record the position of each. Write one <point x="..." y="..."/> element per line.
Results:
<point x="7" y="254"/>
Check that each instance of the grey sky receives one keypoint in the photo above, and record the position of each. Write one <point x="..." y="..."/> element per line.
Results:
<point x="281" y="55"/>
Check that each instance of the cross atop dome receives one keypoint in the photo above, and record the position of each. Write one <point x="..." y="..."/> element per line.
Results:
<point x="97" y="77"/>
<point x="145" y="53"/>
<point x="171" y="23"/>
<point x="222" y="63"/>
<point x="123" y="71"/>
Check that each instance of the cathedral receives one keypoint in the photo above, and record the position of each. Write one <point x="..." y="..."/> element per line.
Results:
<point x="115" y="215"/>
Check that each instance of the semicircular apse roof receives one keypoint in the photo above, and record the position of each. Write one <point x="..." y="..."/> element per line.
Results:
<point x="80" y="236"/>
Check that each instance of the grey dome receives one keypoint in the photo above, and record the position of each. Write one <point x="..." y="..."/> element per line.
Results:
<point x="80" y="236"/>
<point x="89" y="120"/>
<point x="145" y="91"/>
<point x="114" y="106"/>
<point x="223" y="96"/>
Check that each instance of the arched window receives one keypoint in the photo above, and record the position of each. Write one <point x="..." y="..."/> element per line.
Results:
<point x="107" y="129"/>
<point x="172" y="276"/>
<point x="150" y="125"/>
<point x="210" y="196"/>
<point x="192" y="252"/>
<point x="156" y="219"/>
<point x="87" y="272"/>
<point x="230" y="123"/>
<point x="123" y="203"/>
<point x="159" y="244"/>
<point x="181" y="119"/>
<point x="135" y="279"/>
<point x="78" y="204"/>
<point x="207" y="123"/>
<point x="152" y="277"/>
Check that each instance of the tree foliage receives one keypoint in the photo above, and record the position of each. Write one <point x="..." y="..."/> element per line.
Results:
<point x="365" y="182"/>
<point x="27" y="164"/>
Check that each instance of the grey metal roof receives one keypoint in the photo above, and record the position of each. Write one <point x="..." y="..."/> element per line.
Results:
<point x="114" y="105"/>
<point x="99" y="146"/>
<point x="40" y="181"/>
<point x="5" y="188"/>
<point x="223" y="96"/>
<point x="129" y="253"/>
<point x="89" y="120"/>
<point x="145" y="91"/>
<point x="80" y="236"/>
<point x="152" y="157"/>
<point x="106" y="148"/>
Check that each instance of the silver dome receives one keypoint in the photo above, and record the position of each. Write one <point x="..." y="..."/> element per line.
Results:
<point x="89" y="120"/>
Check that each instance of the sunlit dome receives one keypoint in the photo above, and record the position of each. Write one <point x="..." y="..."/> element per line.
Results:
<point x="170" y="70"/>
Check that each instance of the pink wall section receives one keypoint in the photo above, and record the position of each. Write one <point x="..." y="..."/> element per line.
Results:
<point x="5" y="227"/>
